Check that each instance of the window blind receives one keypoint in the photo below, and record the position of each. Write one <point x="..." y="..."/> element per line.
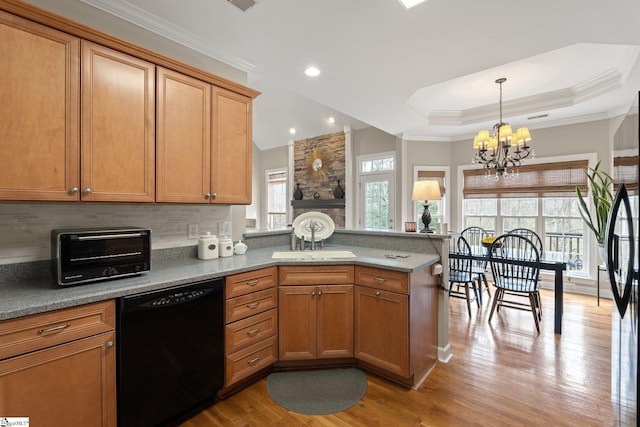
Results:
<point x="435" y="176"/>
<point x="625" y="170"/>
<point x="556" y="179"/>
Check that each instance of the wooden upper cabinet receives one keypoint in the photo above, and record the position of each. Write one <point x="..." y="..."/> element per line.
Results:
<point x="231" y="148"/>
<point x="183" y="138"/>
<point x="39" y="111"/>
<point x="118" y="126"/>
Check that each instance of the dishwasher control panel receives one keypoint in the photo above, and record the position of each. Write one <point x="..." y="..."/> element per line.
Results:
<point x="176" y="298"/>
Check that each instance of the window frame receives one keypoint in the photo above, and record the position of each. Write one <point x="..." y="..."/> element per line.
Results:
<point x="267" y="174"/>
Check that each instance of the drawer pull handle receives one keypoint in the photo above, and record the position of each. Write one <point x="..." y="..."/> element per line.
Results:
<point x="253" y="361"/>
<point x="380" y="279"/>
<point x="254" y="332"/>
<point x="54" y="329"/>
<point x="253" y="304"/>
<point x="253" y="282"/>
<point x="377" y="293"/>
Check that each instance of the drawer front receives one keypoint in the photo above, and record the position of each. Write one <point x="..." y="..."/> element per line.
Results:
<point x="249" y="331"/>
<point x="389" y="280"/>
<point x="316" y="275"/>
<point x="38" y="331"/>
<point x="245" y="362"/>
<point x="252" y="281"/>
<point x="247" y="305"/>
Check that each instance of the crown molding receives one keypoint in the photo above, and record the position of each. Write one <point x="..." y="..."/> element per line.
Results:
<point x="168" y="30"/>
<point x="567" y="97"/>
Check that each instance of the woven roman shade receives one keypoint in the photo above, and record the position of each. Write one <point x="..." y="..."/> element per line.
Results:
<point x="557" y="179"/>
<point x="625" y="170"/>
<point x="435" y="176"/>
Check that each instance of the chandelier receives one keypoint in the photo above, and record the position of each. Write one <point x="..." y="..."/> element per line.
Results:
<point x="502" y="150"/>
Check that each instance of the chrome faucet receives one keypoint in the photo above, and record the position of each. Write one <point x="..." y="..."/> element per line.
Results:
<point x="312" y="225"/>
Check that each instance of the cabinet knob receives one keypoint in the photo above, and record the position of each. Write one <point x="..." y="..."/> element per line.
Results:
<point x="207" y="196"/>
<point x="214" y="195"/>
<point x="377" y="293"/>
<point x="87" y="190"/>
<point x="313" y="293"/>
<point x="73" y="190"/>
<point x="109" y="344"/>
<point x="319" y="293"/>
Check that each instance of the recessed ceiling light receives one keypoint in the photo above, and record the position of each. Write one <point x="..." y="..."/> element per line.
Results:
<point x="410" y="3"/>
<point x="331" y="120"/>
<point x="312" y="72"/>
<point x="292" y="131"/>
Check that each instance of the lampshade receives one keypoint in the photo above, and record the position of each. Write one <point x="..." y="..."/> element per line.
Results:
<point x="426" y="190"/>
<point x="505" y="133"/>
<point x="522" y="136"/>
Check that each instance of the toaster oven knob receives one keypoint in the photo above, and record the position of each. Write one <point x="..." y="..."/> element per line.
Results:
<point x="110" y="271"/>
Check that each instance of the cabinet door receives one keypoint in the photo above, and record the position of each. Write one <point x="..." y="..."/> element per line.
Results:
<point x="382" y="329"/>
<point x="71" y="384"/>
<point x="231" y="148"/>
<point x="334" y="309"/>
<point x="118" y="126"/>
<point x="39" y="111"/>
<point x="297" y="323"/>
<point x="183" y="138"/>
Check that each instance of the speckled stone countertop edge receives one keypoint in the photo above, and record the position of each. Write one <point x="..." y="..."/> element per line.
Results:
<point x="22" y="298"/>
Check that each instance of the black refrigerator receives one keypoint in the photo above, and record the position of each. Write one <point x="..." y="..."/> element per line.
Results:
<point x="622" y="261"/>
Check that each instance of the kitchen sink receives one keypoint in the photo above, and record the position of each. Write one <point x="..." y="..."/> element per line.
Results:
<point x="319" y="254"/>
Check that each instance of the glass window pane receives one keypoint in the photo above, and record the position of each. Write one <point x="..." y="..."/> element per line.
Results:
<point x="376" y="209"/>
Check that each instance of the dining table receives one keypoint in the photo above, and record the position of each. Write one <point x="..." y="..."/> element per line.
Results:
<point x="557" y="267"/>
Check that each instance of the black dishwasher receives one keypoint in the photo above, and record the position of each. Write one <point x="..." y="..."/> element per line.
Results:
<point x="170" y="353"/>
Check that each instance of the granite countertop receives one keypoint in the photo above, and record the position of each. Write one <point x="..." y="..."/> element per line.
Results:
<point x="21" y="298"/>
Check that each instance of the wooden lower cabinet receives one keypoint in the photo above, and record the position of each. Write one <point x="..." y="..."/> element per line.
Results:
<point x="67" y="384"/>
<point x="382" y="329"/>
<point x="396" y="322"/>
<point x="316" y="322"/>
<point x="251" y="324"/>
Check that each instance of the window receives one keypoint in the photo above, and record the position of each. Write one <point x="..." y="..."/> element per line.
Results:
<point x="276" y="199"/>
<point x="376" y="191"/>
<point x="541" y="198"/>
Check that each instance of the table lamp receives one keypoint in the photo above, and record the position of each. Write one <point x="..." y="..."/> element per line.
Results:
<point x="426" y="190"/>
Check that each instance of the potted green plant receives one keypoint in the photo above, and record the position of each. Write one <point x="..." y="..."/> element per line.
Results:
<point x="600" y="184"/>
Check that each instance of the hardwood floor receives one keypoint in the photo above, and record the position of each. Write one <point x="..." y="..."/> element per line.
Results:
<point x="502" y="374"/>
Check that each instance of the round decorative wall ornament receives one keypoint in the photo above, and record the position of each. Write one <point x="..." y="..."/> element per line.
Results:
<point x="317" y="164"/>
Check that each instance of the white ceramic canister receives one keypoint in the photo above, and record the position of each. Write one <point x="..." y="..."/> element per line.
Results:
<point x="208" y="246"/>
<point x="226" y="246"/>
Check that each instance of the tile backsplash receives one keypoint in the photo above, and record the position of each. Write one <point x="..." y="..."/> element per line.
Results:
<point x="25" y="228"/>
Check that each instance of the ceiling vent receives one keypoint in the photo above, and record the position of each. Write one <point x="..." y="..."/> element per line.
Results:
<point x="243" y="5"/>
<point x="541" y="116"/>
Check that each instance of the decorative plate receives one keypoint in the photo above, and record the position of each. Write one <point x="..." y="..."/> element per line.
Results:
<point x="324" y="226"/>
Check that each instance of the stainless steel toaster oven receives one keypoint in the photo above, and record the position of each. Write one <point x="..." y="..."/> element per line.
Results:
<point x="81" y="255"/>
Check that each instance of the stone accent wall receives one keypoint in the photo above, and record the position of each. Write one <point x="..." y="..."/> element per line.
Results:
<point x="331" y="149"/>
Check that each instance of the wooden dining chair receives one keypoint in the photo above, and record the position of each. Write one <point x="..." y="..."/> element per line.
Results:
<point x="474" y="235"/>
<point x="461" y="274"/>
<point x="531" y="235"/>
<point x="515" y="265"/>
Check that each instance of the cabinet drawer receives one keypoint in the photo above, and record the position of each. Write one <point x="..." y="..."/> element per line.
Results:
<point x="244" y="283"/>
<point x="247" y="305"/>
<point x="248" y="331"/>
<point x="389" y="280"/>
<point x="247" y="361"/>
<point x="38" y="331"/>
<point x="316" y="275"/>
